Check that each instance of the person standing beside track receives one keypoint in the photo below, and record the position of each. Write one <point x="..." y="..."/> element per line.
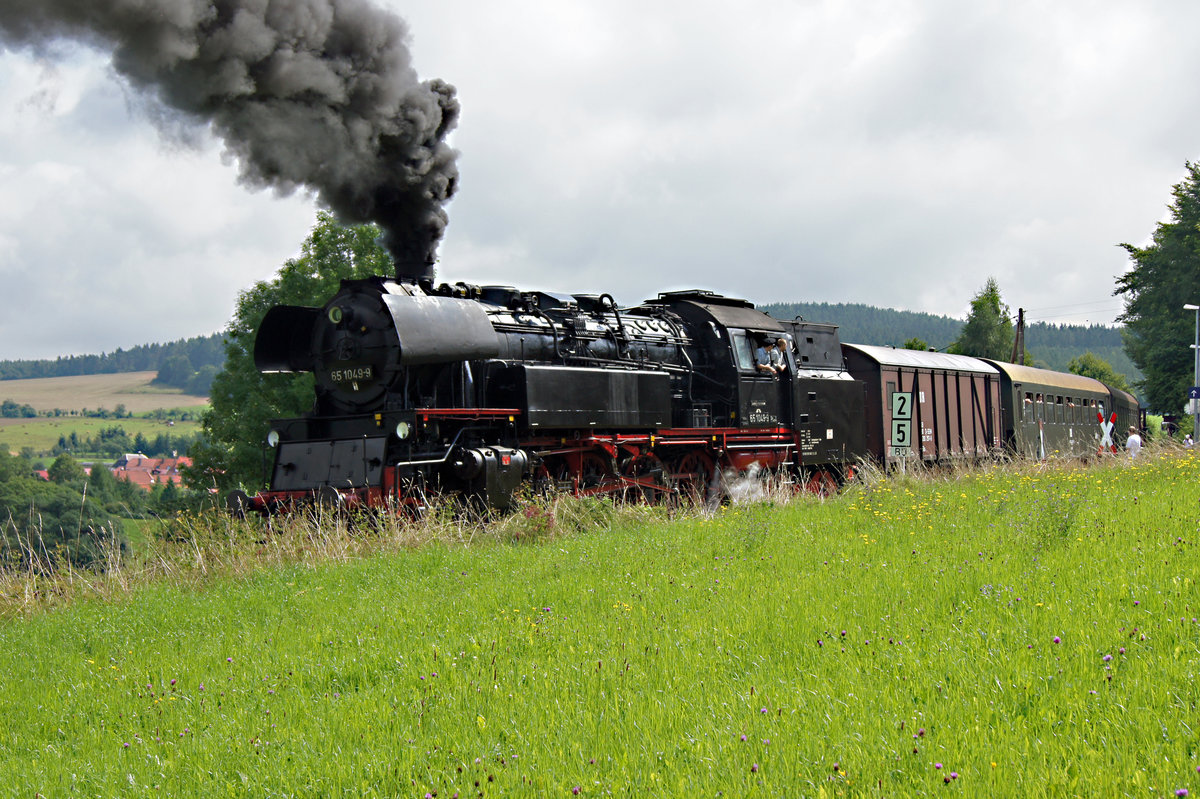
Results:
<point x="1133" y="444"/>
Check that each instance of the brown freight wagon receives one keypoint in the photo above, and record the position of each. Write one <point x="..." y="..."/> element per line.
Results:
<point x="927" y="406"/>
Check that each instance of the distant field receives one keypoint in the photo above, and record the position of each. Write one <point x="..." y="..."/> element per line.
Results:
<point x="131" y="389"/>
<point x="92" y="392"/>
<point x="42" y="434"/>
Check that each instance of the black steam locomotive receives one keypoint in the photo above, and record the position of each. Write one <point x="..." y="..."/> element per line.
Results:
<point x="475" y="391"/>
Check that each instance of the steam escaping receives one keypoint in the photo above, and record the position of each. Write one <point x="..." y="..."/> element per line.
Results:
<point x="313" y="94"/>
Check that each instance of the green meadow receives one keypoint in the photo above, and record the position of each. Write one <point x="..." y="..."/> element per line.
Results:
<point x="42" y="434"/>
<point x="1000" y="633"/>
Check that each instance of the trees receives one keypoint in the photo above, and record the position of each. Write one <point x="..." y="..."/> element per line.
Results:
<point x="915" y="343"/>
<point x="1165" y="275"/>
<point x="243" y="401"/>
<point x="988" y="332"/>
<point x="66" y="471"/>
<point x="1091" y="365"/>
<point x="48" y="523"/>
<point x="176" y="371"/>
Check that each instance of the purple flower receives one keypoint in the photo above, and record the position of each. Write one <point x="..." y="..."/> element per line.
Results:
<point x="937" y="765"/>
<point x="1181" y="792"/>
<point x="753" y="767"/>
<point x="743" y="737"/>
<point x="1121" y="650"/>
<point x="576" y="790"/>
<point x="126" y="744"/>
<point x="764" y="710"/>
<point x="953" y="775"/>
<point x="1057" y="640"/>
<point x="172" y="681"/>
<point x="1107" y="658"/>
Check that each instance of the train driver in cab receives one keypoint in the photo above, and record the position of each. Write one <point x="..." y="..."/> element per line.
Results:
<point x="778" y="359"/>
<point x="769" y="359"/>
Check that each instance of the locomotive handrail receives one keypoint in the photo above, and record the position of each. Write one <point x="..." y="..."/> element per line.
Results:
<point x="620" y="332"/>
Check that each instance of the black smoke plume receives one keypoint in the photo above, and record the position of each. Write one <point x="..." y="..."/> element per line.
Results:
<point x="319" y="94"/>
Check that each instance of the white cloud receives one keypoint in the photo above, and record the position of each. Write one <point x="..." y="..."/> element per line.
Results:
<point x="893" y="153"/>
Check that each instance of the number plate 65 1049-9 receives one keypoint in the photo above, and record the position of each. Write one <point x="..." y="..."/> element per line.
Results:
<point x="352" y="374"/>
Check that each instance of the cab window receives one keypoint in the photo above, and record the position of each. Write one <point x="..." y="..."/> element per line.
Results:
<point x="743" y="350"/>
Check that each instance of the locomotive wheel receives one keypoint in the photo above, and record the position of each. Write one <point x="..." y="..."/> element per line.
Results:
<point x="650" y="473"/>
<point x="594" y="471"/>
<point x="822" y="483"/>
<point x="691" y="474"/>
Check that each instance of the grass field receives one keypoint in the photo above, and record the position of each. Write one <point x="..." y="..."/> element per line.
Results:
<point x="1025" y="634"/>
<point x="131" y="389"/>
<point x="42" y="434"/>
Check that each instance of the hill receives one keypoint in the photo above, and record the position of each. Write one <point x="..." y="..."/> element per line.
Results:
<point x="1052" y="346"/>
<point x="200" y="351"/>
<point x="82" y="393"/>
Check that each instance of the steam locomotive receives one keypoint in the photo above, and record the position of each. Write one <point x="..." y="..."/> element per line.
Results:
<point x="477" y="391"/>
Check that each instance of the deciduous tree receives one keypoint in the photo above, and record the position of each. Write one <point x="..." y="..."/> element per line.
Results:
<point x="1093" y="366"/>
<point x="1165" y="275"/>
<point x="244" y="401"/>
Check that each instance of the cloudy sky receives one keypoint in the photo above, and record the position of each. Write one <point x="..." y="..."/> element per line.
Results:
<point x="891" y="153"/>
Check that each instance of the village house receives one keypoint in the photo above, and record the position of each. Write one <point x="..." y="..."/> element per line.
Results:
<point x="148" y="472"/>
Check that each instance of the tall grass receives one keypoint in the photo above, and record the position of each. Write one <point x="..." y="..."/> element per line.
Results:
<point x="1003" y="633"/>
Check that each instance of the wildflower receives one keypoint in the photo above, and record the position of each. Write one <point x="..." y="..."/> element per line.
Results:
<point x="743" y="737"/>
<point x="1057" y="640"/>
<point x="937" y="765"/>
<point x="228" y="660"/>
<point x="753" y="767"/>
<point x="576" y="790"/>
<point x="1107" y="658"/>
<point x="1181" y="792"/>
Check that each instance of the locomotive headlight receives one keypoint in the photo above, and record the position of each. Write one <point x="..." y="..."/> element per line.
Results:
<point x="273" y="438"/>
<point x="403" y="430"/>
<point x="335" y="315"/>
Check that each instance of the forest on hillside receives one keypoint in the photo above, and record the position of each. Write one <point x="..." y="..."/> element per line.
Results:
<point x="200" y="351"/>
<point x="1052" y="346"/>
